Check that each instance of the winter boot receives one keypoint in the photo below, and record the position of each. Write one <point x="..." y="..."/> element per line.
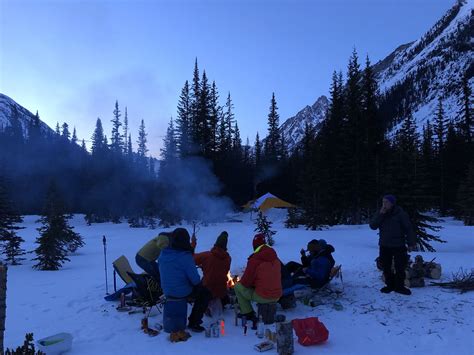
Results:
<point x="196" y="328"/>
<point x="403" y="290"/>
<point x="390" y="283"/>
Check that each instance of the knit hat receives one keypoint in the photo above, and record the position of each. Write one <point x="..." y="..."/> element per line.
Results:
<point x="221" y="240"/>
<point x="258" y="240"/>
<point x="322" y="243"/>
<point x="390" y="198"/>
<point x="312" y="245"/>
<point x="181" y="240"/>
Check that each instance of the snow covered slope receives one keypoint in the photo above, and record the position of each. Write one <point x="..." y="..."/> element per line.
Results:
<point x="293" y="128"/>
<point x="433" y="66"/>
<point x="431" y="321"/>
<point x="415" y="75"/>
<point x="6" y="111"/>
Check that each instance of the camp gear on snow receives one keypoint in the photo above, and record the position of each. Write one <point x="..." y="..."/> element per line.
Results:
<point x="147" y="330"/>
<point x="122" y="268"/>
<point x="264" y="346"/>
<point x="104" y="242"/>
<point x="175" y="311"/>
<point x="260" y="327"/>
<point x="310" y="331"/>
<point x="55" y="344"/>
<point x="149" y="293"/>
<point x="284" y="338"/>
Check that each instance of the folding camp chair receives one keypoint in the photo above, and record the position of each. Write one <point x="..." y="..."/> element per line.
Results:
<point x="122" y="268"/>
<point x="149" y="292"/>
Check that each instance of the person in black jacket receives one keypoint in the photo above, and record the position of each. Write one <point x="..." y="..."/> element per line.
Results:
<point x="395" y="233"/>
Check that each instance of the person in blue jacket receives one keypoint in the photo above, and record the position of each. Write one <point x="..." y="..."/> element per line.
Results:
<point x="317" y="273"/>
<point x="180" y="279"/>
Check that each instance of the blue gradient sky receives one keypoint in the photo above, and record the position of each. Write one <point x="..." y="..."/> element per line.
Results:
<point x="71" y="59"/>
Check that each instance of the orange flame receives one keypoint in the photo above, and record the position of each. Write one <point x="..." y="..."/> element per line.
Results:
<point x="231" y="281"/>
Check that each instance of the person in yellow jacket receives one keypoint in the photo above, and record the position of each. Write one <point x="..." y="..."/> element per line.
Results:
<point x="148" y="255"/>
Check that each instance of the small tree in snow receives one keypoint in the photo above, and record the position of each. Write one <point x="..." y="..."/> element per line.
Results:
<point x="264" y="227"/>
<point x="292" y="218"/>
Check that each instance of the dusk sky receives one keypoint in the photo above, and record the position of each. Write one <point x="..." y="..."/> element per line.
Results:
<point x="71" y="60"/>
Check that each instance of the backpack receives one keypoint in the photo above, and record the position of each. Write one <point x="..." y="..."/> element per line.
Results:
<point x="310" y="331"/>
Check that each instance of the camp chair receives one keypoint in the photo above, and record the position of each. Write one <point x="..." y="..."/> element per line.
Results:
<point x="148" y="291"/>
<point x="122" y="268"/>
<point x="336" y="273"/>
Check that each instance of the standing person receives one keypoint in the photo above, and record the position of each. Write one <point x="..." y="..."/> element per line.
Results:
<point x="395" y="232"/>
<point x="215" y="265"/>
<point x="148" y="255"/>
<point x="180" y="279"/>
<point x="261" y="281"/>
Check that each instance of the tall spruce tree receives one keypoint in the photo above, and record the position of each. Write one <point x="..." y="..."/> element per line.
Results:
<point x="273" y="140"/>
<point x="465" y="199"/>
<point x="258" y="151"/>
<point x="169" y="152"/>
<point x="213" y="121"/>
<point x="74" y="136"/>
<point x="116" y="141"/>
<point x="9" y="220"/>
<point x="440" y="130"/>
<point x="184" y="121"/>
<point x="465" y="113"/>
<point x="264" y="226"/>
<point x="65" y="132"/>
<point x="125" y="132"/>
<point x="98" y="138"/>
<point x="142" y="140"/>
<point x="195" y="106"/>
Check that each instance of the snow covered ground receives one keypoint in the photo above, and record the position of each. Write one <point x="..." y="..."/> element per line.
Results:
<point x="432" y="320"/>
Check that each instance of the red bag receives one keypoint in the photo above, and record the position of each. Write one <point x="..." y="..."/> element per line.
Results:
<point x="310" y="331"/>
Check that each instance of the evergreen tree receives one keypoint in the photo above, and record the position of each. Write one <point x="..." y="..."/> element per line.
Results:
<point x="57" y="238"/>
<point x="292" y="218"/>
<point x="213" y="121"/>
<point x="58" y="130"/>
<point x="258" y="151"/>
<point x="66" y="134"/>
<point x="466" y="121"/>
<point x="98" y="138"/>
<point x="273" y="140"/>
<point x="34" y="130"/>
<point x="202" y="134"/>
<point x="125" y="132"/>
<point x="237" y="142"/>
<point x="169" y="152"/>
<point x="9" y="220"/>
<point x="466" y="198"/>
<point x="440" y="130"/>
<point x="116" y="141"/>
<point x="229" y="123"/>
<point x="183" y="122"/>
<point x="74" y="136"/>
<point x="195" y="106"/>
<point x="142" y="140"/>
<point x="130" y="148"/>
<point x="83" y="146"/>
<point x="263" y="225"/>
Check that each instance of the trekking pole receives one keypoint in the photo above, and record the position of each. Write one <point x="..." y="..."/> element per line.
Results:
<point x="104" y="241"/>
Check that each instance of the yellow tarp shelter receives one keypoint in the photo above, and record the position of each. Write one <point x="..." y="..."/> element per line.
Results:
<point x="267" y="201"/>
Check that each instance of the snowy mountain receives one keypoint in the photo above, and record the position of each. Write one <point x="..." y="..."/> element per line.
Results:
<point x="415" y="75"/>
<point x="293" y="128"/>
<point x="6" y="112"/>
<point x="420" y="73"/>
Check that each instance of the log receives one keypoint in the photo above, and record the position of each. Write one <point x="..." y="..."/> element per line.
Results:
<point x="284" y="338"/>
<point x="3" y="302"/>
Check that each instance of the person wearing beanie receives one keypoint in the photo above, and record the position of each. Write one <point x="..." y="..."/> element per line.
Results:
<point x="180" y="279"/>
<point x="316" y="267"/>
<point x="147" y="256"/>
<point x="261" y="281"/>
<point x="215" y="265"/>
<point x="395" y="234"/>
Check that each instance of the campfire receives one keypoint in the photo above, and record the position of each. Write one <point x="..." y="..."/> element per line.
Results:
<point x="232" y="280"/>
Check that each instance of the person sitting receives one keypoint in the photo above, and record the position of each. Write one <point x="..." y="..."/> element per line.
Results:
<point x="318" y="272"/>
<point x="294" y="267"/>
<point x="147" y="256"/>
<point x="215" y="265"/>
<point x="261" y="281"/>
<point x="180" y="279"/>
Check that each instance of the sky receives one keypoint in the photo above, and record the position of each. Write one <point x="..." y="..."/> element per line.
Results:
<point x="71" y="59"/>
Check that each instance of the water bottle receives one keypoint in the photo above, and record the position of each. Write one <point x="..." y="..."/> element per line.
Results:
<point x="260" y="328"/>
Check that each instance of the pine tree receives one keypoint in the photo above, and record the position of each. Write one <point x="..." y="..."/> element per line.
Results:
<point x="58" y="130"/>
<point x="237" y="142"/>
<point x="74" y="136"/>
<point x="116" y="142"/>
<point x="130" y="148"/>
<point x="213" y="121"/>
<point x="142" y="140"/>
<point x="292" y="218"/>
<point x="465" y="114"/>
<point x="202" y="134"/>
<point x="195" y="107"/>
<point x="83" y="145"/>
<point x="169" y="152"/>
<point x="66" y="134"/>
<point x="273" y="140"/>
<point x="440" y="130"/>
<point x="57" y="238"/>
<point x="183" y="122"/>
<point x="466" y="198"/>
<point x="98" y="138"/>
<point x="263" y="225"/>
<point x="125" y="132"/>
<point x="228" y="123"/>
<point x="9" y="220"/>
<point x="258" y="151"/>
<point x="34" y="130"/>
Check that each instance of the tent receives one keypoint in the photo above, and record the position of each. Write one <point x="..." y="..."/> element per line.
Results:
<point x="267" y="201"/>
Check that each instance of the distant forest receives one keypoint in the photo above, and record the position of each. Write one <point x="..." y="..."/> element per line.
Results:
<point x="336" y="175"/>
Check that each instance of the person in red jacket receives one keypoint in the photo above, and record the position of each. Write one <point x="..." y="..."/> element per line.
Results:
<point x="215" y="265"/>
<point x="261" y="281"/>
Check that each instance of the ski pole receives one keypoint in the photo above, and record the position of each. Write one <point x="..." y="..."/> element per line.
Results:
<point x="104" y="241"/>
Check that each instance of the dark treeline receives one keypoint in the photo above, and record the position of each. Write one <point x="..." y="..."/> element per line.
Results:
<point x="107" y="183"/>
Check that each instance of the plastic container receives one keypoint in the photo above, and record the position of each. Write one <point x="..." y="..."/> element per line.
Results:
<point x="174" y="315"/>
<point x="55" y="344"/>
